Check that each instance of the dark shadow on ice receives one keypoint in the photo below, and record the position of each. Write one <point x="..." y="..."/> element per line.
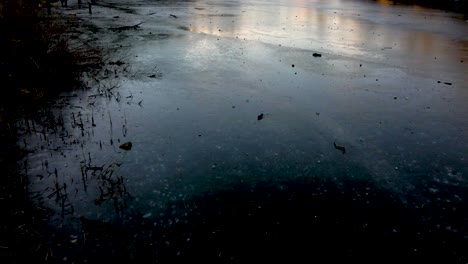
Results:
<point x="297" y="220"/>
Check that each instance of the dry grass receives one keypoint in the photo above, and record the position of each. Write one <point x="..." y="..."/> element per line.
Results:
<point x="39" y="61"/>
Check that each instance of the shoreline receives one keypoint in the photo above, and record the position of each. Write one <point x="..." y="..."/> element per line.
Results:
<point x="460" y="6"/>
<point x="38" y="66"/>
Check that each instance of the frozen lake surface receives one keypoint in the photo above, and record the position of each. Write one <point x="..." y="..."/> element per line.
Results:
<point x="185" y="83"/>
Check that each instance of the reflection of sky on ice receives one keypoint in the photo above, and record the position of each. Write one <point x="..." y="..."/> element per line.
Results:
<point x="346" y="28"/>
<point x="194" y="129"/>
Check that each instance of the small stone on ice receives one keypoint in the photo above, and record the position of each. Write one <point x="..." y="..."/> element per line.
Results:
<point x="126" y="146"/>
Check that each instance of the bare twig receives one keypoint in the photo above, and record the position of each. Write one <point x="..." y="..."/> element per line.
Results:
<point x="126" y="27"/>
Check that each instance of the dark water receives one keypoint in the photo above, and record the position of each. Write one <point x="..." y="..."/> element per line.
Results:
<point x="206" y="179"/>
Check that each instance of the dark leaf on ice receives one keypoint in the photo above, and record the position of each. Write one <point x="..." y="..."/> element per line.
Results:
<point x="260" y="117"/>
<point x="118" y="63"/>
<point x="126" y="146"/>
<point x="317" y="55"/>
<point x="174" y="16"/>
<point x="343" y="150"/>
